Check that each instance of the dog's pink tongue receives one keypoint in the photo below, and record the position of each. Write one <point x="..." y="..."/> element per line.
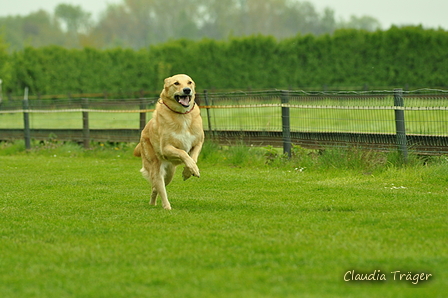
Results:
<point x="184" y="100"/>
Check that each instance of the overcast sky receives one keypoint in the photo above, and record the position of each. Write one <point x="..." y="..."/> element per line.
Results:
<point x="429" y="13"/>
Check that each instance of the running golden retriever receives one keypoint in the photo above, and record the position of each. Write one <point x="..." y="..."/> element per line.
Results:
<point x="173" y="136"/>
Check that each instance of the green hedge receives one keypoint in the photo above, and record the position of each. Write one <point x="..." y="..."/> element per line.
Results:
<point x="397" y="57"/>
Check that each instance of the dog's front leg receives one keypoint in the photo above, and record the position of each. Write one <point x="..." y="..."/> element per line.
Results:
<point x="194" y="153"/>
<point x="172" y="153"/>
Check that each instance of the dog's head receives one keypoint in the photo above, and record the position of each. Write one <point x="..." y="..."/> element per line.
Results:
<point x="179" y="89"/>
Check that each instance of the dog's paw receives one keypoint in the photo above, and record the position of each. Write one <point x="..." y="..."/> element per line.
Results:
<point x="188" y="172"/>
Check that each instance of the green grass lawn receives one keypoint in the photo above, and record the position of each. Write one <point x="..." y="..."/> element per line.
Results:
<point x="78" y="224"/>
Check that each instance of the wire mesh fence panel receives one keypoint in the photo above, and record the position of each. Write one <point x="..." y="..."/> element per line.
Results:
<point x="11" y="120"/>
<point x="244" y="111"/>
<point x="427" y="122"/>
<point x="331" y="120"/>
<point x="334" y="118"/>
<point x="426" y="112"/>
<point x="245" y="118"/>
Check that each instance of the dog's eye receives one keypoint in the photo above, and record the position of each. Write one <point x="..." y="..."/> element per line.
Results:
<point x="190" y="82"/>
<point x="176" y="83"/>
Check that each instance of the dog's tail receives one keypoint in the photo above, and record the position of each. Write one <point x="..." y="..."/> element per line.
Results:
<point x="138" y="150"/>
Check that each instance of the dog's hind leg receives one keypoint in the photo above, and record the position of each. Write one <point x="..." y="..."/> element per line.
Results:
<point x="168" y="171"/>
<point x="159" y="188"/>
<point x="153" y="197"/>
<point x="148" y="176"/>
<point x="152" y="177"/>
<point x="160" y="179"/>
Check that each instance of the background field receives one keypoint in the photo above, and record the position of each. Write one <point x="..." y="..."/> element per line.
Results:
<point x="77" y="223"/>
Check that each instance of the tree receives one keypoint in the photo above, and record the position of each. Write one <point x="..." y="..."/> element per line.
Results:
<point x="363" y="23"/>
<point x="4" y="66"/>
<point x="328" y="22"/>
<point x="75" y="18"/>
<point x="36" y="29"/>
<point x="141" y="23"/>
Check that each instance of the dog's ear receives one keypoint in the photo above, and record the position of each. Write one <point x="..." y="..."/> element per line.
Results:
<point x="166" y="83"/>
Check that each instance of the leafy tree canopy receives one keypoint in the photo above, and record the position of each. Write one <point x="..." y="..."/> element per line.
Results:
<point x="141" y="23"/>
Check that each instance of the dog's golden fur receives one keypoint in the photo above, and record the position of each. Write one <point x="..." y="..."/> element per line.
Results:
<point x="173" y="136"/>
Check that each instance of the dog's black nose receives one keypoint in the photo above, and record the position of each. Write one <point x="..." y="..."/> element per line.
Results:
<point x="187" y="90"/>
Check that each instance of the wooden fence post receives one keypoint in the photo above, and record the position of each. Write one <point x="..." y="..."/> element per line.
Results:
<point x="209" y="121"/>
<point x="286" y="126"/>
<point x="400" y="124"/>
<point x="1" y="92"/>
<point x="26" y="120"/>
<point x="142" y="114"/>
<point x="85" y="123"/>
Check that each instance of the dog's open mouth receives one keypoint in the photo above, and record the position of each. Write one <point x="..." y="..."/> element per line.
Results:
<point x="184" y="100"/>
